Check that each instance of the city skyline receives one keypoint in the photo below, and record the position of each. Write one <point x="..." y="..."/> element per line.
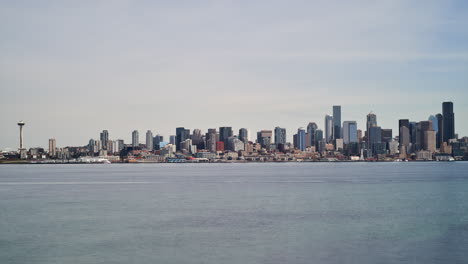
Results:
<point x="349" y="132"/>
<point x="69" y="69"/>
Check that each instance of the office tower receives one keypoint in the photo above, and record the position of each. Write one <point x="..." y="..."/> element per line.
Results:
<point x="404" y="137"/>
<point x="119" y="145"/>
<point x="52" y="147"/>
<point x="424" y="136"/>
<point x="91" y="145"/>
<point x="264" y="138"/>
<point x="311" y="128"/>
<point x="350" y="132"/>
<point x="224" y="134"/>
<point x="413" y="132"/>
<point x="182" y="134"/>
<point x="172" y="140"/>
<point x="429" y="143"/>
<point x="375" y="139"/>
<point x="435" y="123"/>
<point x="197" y="137"/>
<point x="403" y="134"/>
<point x="449" y="121"/>
<point x="244" y="135"/>
<point x="387" y="135"/>
<point x="301" y="138"/>
<point x="110" y="147"/>
<point x="318" y="136"/>
<point x="328" y="128"/>
<point x="440" y="132"/>
<point x="135" y="138"/>
<point x="280" y="135"/>
<point x="337" y="121"/>
<point x="371" y="122"/>
<point x="359" y="135"/>
<point x="149" y="140"/>
<point x="156" y="142"/>
<point x="104" y="136"/>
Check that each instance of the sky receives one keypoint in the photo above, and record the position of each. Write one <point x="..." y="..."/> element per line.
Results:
<point x="70" y="69"/>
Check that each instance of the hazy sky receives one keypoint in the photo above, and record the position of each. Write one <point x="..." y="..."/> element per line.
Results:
<point x="70" y="69"/>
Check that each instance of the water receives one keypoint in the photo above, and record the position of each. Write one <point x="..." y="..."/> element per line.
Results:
<point x="235" y="213"/>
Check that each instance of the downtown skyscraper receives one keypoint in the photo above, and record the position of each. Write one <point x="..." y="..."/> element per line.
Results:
<point x="337" y="121"/>
<point x="449" y="121"/>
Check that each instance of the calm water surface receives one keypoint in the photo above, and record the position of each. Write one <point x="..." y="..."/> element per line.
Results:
<point x="235" y="213"/>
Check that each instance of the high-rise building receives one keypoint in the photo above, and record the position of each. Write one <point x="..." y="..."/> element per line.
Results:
<point x="280" y="135"/>
<point x="435" y="123"/>
<point x="300" y="139"/>
<point x="440" y="132"/>
<point x="224" y="134"/>
<point x="135" y="138"/>
<point x="375" y="139"/>
<point x="350" y="132"/>
<point x="371" y="122"/>
<point x="328" y="128"/>
<point x="403" y="134"/>
<point x="182" y="134"/>
<point x="264" y="138"/>
<point x="172" y="140"/>
<point x="337" y="121"/>
<point x="149" y="140"/>
<point x="311" y="128"/>
<point x="387" y="135"/>
<point x="244" y="135"/>
<point x="156" y="142"/>
<point x="119" y="145"/>
<point x="104" y="136"/>
<point x="52" y="147"/>
<point x="318" y="136"/>
<point x="449" y="121"/>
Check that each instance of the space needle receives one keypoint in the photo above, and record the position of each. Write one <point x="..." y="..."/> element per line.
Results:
<point x="21" y="124"/>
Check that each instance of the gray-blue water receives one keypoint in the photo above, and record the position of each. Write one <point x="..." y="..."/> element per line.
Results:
<point x="235" y="213"/>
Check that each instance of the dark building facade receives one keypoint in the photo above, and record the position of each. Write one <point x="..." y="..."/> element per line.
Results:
<point x="449" y="121"/>
<point x="337" y="121"/>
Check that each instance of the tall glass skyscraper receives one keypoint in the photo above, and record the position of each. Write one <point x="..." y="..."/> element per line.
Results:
<point x="449" y="121"/>
<point x="280" y="135"/>
<point x="301" y="139"/>
<point x="135" y="138"/>
<point x="328" y="128"/>
<point x="350" y="132"/>
<point x="337" y="121"/>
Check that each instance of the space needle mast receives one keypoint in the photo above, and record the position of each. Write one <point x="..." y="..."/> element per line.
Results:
<point x="21" y="124"/>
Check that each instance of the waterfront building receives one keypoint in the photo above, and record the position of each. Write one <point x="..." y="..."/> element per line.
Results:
<point x="235" y="144"/>
<point x="135" y="138"/>
<point x="328" y="128"/>
<point x="449" y="121"/>
<point x="280" y="136"/>
<point x="149" y="140"/>
<point x="337" y="122"/>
